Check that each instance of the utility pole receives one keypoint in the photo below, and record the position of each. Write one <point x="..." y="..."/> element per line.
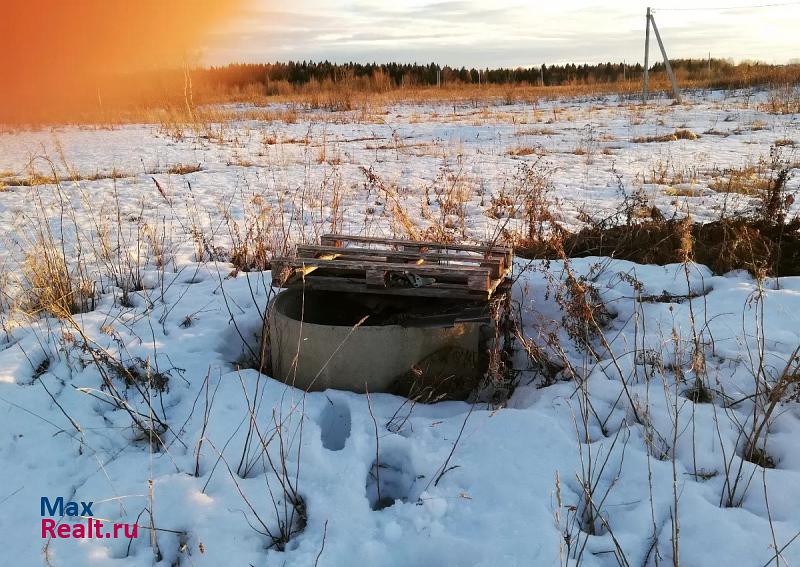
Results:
<point x="675" y="90"/>
<point x="646" y="57"/>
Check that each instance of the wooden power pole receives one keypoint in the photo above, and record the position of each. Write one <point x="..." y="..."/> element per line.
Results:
<point x="646" y="57"/>
<point x="675" y="90"/>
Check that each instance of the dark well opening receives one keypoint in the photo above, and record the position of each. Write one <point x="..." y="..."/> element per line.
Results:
<point x="347" y="309"/>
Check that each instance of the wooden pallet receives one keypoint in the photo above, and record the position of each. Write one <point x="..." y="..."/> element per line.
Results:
<point x="361" y="264"/>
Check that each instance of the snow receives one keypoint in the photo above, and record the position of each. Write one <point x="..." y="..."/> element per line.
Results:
<point x="511" y="492"/>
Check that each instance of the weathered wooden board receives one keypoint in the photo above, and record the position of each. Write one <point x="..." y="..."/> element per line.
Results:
<point x="497" y="265"/>
<point x="396" y="267"/>
<point x="423" y="246"/>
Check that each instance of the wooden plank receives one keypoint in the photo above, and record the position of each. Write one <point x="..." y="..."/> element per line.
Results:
<point x="460" y="273"/>
<point x="338" y="239"/>
<point x="503" y="284"/>
<point x="413" y="244"/>
<point x="376" y="286"/>
<point x="288" y="272"/>
<point x="479" y="282"/>
<point x="356" y="285"/>
<point x="380" y="252"/>
<point x="495" y="265"/>
<point x="375" y="277"/>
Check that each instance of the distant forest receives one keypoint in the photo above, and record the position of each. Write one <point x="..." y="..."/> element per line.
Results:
<point x="395" y="75"/>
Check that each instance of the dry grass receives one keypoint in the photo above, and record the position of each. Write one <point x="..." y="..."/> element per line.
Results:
<point x="679" y="134"/>
<point x="665" y="172"/>
<point x="31" y="180"/>
<point x="784" y="98"/>
<point x="748" y="180"/>
<point x="237" y="160"/>
<point x="286" y="115"/>
<point x="183" y="169"/>
<point x="51" y="286"/>
<point x="536" y="132"/>
<point x="683" y="192"/>
<point x="525" y="151"/>
<point x="35" y="179"/>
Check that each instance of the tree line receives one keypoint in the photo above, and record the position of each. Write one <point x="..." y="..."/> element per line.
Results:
<point x="394" y="75"/>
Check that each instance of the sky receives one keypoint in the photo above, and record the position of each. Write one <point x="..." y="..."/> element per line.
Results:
<point x="502" y="32"/>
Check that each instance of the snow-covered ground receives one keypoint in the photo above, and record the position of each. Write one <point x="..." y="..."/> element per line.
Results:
<point x="605" y="455"/>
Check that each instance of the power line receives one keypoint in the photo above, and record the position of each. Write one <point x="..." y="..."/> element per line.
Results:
<point x="728" y="8"/>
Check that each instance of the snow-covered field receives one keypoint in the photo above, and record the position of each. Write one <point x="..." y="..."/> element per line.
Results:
<point x="625" y="448"/>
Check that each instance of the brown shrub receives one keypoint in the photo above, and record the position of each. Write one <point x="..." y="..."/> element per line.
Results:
<point x="761" y="247"/>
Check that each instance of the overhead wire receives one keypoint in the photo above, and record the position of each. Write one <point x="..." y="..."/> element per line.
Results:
<point x="727" y="8"/>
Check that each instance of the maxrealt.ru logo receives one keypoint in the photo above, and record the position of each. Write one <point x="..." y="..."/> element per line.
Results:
<point x="84" y="525"/>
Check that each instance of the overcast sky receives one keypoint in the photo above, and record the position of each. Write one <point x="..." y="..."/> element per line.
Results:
<point x="501" y="32"/>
